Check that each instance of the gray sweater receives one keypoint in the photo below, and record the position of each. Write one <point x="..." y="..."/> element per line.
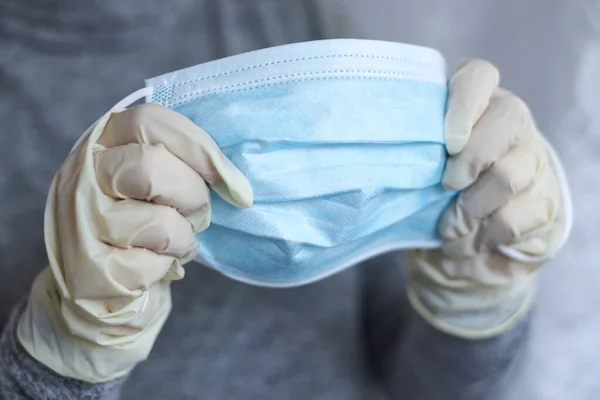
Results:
<point x="352" y="336"/>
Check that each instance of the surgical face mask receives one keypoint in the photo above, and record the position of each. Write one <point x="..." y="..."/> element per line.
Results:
<point x="342" y="142"/>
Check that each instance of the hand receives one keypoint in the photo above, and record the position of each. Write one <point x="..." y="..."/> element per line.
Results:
<point x="120" y="221"/>
<point x="510" y="199"/>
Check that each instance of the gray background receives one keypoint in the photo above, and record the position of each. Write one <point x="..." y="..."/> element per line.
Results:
<point x="56" y="78"/>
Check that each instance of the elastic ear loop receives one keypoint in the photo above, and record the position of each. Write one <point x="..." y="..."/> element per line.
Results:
<point x="132" y="98"/>
<point x="567" y="205"/>
<point x="567" y="202"/>
<point x="124" y="103"/>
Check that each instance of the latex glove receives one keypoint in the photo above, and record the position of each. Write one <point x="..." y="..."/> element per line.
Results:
<point x="513" y="196"/>
<point x="120" y="220"/>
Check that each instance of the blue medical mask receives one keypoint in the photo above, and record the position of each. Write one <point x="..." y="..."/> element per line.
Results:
<point x="342" y="142"/>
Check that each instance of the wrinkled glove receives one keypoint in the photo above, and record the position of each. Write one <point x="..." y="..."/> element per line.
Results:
<point x="119" y="223"/>
<point x="512" y="215"/>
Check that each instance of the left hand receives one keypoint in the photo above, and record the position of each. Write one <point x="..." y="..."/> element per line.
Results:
<point x="510" y="195"/>
<point x="120" y="223"/>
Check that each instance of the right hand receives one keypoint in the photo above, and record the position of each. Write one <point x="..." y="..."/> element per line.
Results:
<point x="512" y="194"/>
<point x="120" y="221"/>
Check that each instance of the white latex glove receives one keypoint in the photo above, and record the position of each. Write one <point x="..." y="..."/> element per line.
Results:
<point x="514" y="196"/>
<point x="120" y="220"/>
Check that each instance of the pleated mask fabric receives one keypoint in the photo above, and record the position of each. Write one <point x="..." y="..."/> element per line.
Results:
<point x="342" y="142"/>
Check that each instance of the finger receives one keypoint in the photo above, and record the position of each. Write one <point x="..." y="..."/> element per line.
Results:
<point x="505" y="122"/>
<point x="522" y="215"/>
<point x="505" y="179"/>
<point x="137" y="268"/>
<point x="153" y="124"/>
<point x="469" y="91"/>
<point x="528" y="214"/>
<point x="132" y="223"/>
<point x="151" y="173"/>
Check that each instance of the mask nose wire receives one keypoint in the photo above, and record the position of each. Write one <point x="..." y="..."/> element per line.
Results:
<point x="132" y="98"/>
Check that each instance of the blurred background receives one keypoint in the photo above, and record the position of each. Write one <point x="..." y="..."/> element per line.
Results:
<point x="55" y="63"/>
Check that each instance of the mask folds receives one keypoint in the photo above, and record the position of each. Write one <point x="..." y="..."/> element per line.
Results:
<point x="342" y="142"/>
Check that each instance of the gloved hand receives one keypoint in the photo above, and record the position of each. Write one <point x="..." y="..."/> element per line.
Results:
<point x="120" y="221"/>
<point x="513" y="197"/>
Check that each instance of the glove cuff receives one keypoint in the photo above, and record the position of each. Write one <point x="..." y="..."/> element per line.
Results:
<point x="46" y="337"/>
<point x="473" y="313"/>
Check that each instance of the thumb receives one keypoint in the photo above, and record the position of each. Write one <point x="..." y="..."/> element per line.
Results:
<point x="469" y="91"/>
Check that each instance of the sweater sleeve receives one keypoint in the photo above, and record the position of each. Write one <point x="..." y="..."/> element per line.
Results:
<point x="22" y="377"/>
<point x="414" y="360"/>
